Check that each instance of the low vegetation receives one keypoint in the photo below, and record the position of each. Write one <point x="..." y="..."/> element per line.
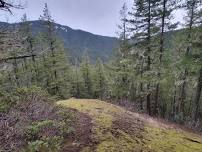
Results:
<point x="34" y="123"/>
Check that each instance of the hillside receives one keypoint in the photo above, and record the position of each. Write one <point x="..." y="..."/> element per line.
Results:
<point x="78" y="41"/>
<point x="113" y="129"/>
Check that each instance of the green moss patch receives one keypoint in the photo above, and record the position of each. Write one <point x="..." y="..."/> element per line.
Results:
<point x="167" y="140"/>
<point x="116" y="130"/>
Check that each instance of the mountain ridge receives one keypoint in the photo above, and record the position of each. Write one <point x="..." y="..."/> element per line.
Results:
<point x="78" y="41"/>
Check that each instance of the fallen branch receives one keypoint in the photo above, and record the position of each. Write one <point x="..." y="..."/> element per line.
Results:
<point x="16" y="58"/>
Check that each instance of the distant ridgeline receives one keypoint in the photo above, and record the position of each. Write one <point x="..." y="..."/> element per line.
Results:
<point x="77" y="41"/>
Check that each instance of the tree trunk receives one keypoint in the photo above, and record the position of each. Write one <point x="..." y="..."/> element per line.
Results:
<point x="149" y="58"/>
<point x="160" y="56"/>
<point x="174" y="108"/>
<point x="36" y="75"/>
<point x="198" y="95"/>
<point x="148" y="100"/>
<point x="183" y="94"/>
<point x="156" y="100"/>
<point x="141" y="98"/>
<point x="15" y="66"/>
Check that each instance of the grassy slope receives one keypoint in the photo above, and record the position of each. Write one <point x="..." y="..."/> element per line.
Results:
<point x="117" y="130"/>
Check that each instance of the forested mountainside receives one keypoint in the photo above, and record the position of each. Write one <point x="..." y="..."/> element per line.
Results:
<point x="78" y="42"/>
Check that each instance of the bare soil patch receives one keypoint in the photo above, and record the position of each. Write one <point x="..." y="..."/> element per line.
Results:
<point x="129" y="125"/>
<point x="82" y="135"/>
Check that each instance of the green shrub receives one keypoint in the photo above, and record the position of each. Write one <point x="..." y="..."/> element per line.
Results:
<point x="45" y="145"/>
<point x="65" y="129"/>
<point x="31" y="93"/>
<point x="4" y="106"/>
<point x="6" y="101"/>
<point x="67" y="118"/>
<point x="37" y="146"/>
<point x="33" y="130"/>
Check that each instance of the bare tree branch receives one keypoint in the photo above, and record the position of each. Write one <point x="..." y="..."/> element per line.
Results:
<point x="6" y="6"/>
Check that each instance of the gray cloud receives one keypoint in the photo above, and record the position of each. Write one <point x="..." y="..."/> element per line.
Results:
<point x="96" y="16"/>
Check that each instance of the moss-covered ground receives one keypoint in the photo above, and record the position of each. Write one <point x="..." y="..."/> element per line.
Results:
<point x="117" y="130"/>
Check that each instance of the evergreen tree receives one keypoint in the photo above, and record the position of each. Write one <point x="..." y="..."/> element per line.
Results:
<point x="120" y="74"/>
<point x="143" y="19"/>
<point x="100" y="80"/>
<point x="165" y="24"/>
<point x="87" y="76"/>
<point x="28" y="41"/>
<point x="49" y="39"/>
<point x="192" y="21"/>
<point x="55" y="63"/>
<point x="123" y="33"/>
<point x="77" y="83"/>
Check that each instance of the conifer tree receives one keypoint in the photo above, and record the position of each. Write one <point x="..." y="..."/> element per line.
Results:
<point x="192" y="21"/>
<point x="193" y="51"/>
<point x="120" y="74"/>
<point x="28" y="41"/>
<point x="165" y="24"/>
<point x="77" y="83"/>
<point x="123" y="33"/>
<point x="100" y="80"/>
<point x="55" y="62"/>
<point x="87" y="76"/>
<point x="143" y="18"/>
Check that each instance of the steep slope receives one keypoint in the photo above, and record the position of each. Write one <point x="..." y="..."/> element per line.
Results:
<point x="117" y="130"/>
<point x="78" y="41"/>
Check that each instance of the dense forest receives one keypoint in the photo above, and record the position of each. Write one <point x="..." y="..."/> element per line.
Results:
<point x="152" y="71"/>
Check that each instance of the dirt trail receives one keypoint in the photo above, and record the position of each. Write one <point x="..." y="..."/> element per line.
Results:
<point x="115" y="129"/>
<point x="81" y="138"/>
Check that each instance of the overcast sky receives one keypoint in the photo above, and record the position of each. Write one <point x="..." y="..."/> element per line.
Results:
<point x="95" y="16"/>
